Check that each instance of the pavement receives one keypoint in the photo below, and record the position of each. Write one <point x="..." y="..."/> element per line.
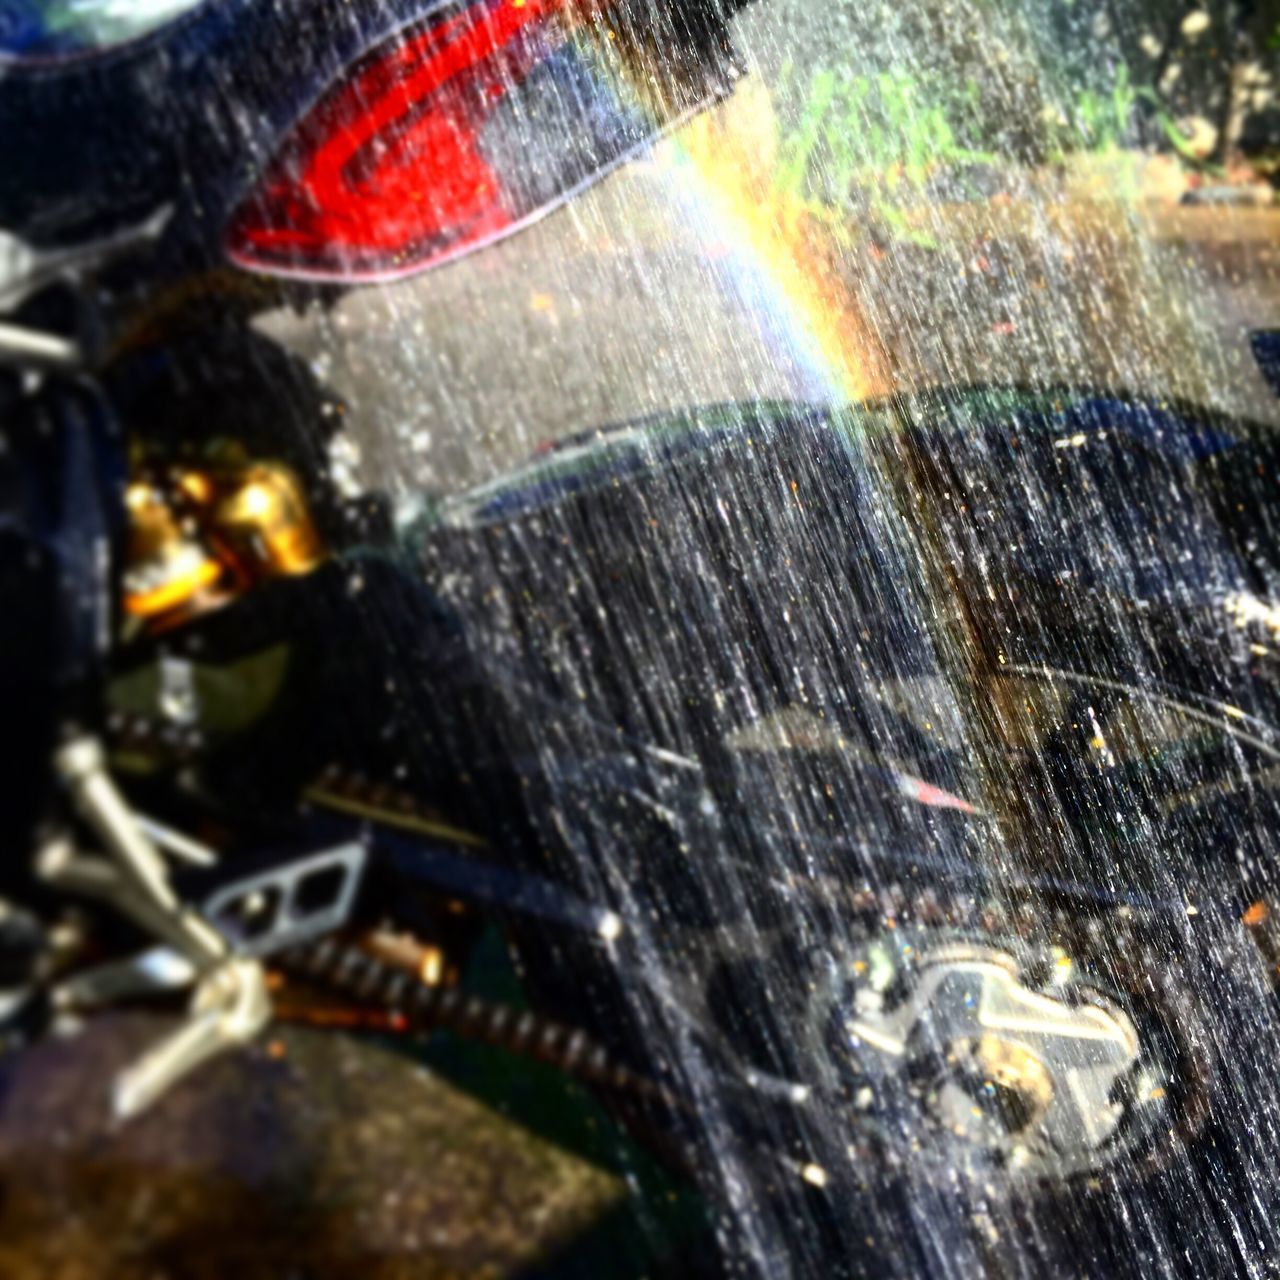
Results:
<point x="309" y="1155"/>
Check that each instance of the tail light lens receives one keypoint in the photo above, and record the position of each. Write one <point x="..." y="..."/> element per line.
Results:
<point x="443" y="139"/>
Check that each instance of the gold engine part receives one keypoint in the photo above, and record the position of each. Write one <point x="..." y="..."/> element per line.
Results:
<point x="200" y="538"/>
<point x="169" y="568"/>
<point x="264" y="526"/>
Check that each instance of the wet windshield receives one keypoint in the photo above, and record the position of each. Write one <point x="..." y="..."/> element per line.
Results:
<point x="681" y="603"/>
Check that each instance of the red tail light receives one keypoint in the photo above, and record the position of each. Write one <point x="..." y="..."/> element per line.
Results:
<point x="452" y="134"/>
<point x="431" y="146"/>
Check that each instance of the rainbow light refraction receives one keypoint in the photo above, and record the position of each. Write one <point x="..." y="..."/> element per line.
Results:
<point x="781" y="264"/>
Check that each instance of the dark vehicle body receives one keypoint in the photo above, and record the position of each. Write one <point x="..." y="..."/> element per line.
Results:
<point x="715" y="631"/>
<point x="705" y="525"/>
<point x="687" y="713"/>
<point x="232" y="78"/>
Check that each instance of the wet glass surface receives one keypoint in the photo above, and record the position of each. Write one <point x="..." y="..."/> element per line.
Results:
<point x="819" y="528"/>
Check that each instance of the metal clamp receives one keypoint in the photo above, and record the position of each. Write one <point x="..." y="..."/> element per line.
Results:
<point x="230" y="1007"/>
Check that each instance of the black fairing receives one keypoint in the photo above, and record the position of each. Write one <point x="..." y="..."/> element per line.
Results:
<point x="687" y="582"/>
<point x="61" y="496"/>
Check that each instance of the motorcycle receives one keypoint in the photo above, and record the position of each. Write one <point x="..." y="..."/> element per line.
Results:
<point x="896" y="878"/>
<point x="401" y="136"/>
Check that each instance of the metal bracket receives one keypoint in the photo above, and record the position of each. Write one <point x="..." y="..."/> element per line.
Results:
<point x="136" y="880"/>
<point x="289" y="904"/>
<point x="215" y="948"/>
<point x="230" y="1007"/>
<point x="153" y="972"/>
